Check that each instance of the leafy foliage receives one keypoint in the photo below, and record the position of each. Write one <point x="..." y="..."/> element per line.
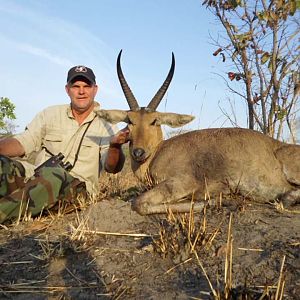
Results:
<point x="7" y="109"/>
<point x="261" y="50"/>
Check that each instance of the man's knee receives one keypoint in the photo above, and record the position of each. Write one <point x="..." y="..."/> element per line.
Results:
<point x="12" y="175"/>
<point x="11" y="167"/>
<point x="60" y="180"/>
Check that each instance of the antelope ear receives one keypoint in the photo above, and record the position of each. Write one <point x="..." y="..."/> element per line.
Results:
<point x="113" y="116"/>
<point x="173" y="120"/>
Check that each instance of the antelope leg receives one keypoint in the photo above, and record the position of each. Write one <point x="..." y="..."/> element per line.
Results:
<point x="166" y="194"/>
<point x="183" y="207"/>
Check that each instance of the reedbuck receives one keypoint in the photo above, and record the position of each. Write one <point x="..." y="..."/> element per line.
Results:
<point x="202" y="162"/>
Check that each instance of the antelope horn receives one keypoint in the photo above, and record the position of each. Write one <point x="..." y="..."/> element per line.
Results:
<point x="161" y="92"/>
<point x="133" y="104"/>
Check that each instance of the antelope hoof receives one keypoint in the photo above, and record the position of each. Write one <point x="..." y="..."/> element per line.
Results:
<point x="291" y="198"/>
<point x="140" y="207"/>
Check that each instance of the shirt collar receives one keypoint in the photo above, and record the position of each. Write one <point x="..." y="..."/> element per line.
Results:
<point x="89" y="117"/>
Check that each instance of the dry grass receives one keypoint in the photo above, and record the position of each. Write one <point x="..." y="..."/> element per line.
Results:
<point x="184" y="236"/>
<point x="278" y="205"/>
<point x="181" y="235"/>
<point x="122" y="185"/>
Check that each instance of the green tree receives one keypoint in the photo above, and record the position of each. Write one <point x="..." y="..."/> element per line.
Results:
<point x="7" y="109"/>
<point x="260" y="49"/>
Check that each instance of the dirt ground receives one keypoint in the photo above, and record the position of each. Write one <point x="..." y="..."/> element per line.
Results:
<point x="107" y="251"/>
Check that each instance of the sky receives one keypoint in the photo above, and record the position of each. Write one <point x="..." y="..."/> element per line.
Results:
<point x="41" y="40"/>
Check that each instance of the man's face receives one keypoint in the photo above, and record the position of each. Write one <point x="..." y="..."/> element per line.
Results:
<point x="82" y="94"/>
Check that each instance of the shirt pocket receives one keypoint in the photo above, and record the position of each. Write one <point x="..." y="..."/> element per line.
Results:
<point x="87" y="147"/>
<point x="53" y="143"/>
<point x="89" y="152"/>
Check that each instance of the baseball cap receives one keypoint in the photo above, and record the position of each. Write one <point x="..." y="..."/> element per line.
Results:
<point x="81" y="71"/>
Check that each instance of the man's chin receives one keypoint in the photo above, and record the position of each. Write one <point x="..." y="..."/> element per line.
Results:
<point x="82" y="107"/>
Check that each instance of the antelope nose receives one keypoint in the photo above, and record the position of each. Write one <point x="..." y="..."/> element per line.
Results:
<point x="138" y="153"/>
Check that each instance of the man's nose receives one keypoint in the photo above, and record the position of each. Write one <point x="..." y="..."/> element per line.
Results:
<point x="81" y="90"/>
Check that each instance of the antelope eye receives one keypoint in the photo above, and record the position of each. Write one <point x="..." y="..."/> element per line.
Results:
<point x="153" y="123"/>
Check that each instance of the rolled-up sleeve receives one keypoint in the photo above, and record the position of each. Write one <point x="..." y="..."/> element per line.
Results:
<point x="31" y="138"/>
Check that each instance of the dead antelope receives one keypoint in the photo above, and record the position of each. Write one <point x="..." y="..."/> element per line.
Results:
<point x="214" y="161"/>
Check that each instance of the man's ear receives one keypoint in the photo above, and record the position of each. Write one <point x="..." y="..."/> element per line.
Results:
<point x="67" y="89"/>
<point x="113" y="115"/>
<point x="96" y="89"/>
<point x="173" y="120"/>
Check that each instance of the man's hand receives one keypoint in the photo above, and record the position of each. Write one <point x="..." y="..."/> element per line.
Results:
<point x="120" y="138"/>
<point x="115" y="157"/>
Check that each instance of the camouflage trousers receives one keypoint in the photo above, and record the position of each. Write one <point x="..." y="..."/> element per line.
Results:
<point x="21" y="196"/>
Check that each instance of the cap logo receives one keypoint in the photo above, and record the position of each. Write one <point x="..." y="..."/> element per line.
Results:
<point x="81" y="69"/>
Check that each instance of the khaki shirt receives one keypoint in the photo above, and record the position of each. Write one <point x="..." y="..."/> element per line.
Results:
<point x="56" y="129"/>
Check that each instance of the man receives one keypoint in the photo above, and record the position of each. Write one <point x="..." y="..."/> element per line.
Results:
<point x="74" y="137"/>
